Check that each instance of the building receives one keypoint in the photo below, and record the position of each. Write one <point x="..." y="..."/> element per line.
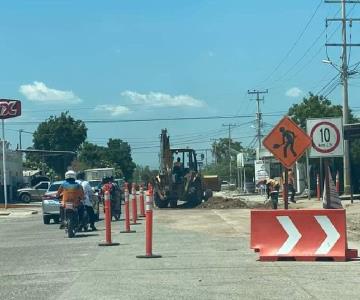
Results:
<point x="14" y="173"/>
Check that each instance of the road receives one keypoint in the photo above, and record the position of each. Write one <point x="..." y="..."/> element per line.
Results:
<point x="205" y="255"/>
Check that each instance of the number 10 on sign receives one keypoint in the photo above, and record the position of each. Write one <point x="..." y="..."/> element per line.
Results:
<point x="327" y="137"/>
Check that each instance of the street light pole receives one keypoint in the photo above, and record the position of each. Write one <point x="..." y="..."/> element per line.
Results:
<point x="344" y="75"/>
<point x="344" y="79"/>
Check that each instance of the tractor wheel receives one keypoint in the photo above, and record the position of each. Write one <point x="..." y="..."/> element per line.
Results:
<point x="208" y="194"/>
<point x="196" y="198"/>
<point x="160" y="203"/>
<point x="173" y="202"/>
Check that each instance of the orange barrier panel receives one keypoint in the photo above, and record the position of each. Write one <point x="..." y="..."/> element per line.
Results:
<point x="300" y="235"/>
<point x="107" y="204"/>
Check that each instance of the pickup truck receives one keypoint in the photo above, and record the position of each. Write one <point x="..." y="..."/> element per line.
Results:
<point x="33" y="193"/>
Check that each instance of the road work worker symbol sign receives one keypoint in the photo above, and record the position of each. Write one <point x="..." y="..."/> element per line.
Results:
<point x="287" y="142"/>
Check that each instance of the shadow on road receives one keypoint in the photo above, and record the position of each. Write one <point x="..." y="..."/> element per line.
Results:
<point x="82" y="235"/>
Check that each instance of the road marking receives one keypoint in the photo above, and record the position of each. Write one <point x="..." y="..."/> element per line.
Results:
<point x="293" y="233"/>
<point x="332" y="235"/>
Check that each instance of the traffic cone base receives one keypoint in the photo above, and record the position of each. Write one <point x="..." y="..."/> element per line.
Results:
<point x="137" y="223"/>
<point x="108" y="244"/>
<point x="149" y="256"/>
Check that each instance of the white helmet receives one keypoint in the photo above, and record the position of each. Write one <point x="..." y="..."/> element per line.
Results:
<point x="70" y="174"/>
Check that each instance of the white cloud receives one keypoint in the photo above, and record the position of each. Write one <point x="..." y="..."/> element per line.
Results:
<point x="162" y="100"/>
<point x="293" y="92"/>
<point x="114" y="110"/>
<point x="39" y="92"/>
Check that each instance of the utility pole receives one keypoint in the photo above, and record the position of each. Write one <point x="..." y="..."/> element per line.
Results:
<point x="344" y="78"/>
<point x="258" y="115"/>
<point x="215" y="146"/>
<point x="229" y="145"/>
<point x="20" y="131"/>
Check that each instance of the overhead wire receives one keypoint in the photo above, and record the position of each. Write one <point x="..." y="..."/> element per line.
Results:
<point x="295" y="43"/>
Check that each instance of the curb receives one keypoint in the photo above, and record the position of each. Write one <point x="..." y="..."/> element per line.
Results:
<point x="26" y="212"/>
<point x="15" y="206"/>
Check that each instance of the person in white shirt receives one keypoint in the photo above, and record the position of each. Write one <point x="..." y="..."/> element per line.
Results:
<point x="88" y="194"/>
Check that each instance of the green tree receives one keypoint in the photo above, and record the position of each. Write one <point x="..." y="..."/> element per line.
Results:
<point x="143" y="174"/>
<point x="62" y="133"/>
<point x="220" y="149"/>
<point x="313" y="106"/>
<point x="116" y="155"/>
<point x="119" y="153"/>
<point x="92" y="155"/>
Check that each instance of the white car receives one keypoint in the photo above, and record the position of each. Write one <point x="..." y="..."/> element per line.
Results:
<point x="33" y="193"/>
<point x="50" y="204"/>
<point x="225" y="185"/>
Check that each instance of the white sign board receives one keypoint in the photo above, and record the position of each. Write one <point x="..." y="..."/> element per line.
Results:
<point x="261" y="170"/>
<point x="240" y="160"/>
<point x="327" y="137"/>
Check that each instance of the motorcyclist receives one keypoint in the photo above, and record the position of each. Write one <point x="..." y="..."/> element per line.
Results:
<point x="88" y="194"/>
<point x="70" y="191"/>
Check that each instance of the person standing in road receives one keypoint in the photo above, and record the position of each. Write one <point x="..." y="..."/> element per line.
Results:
<point x="70" y="191"/>
<point x="272" y="190"/>
<point x="88" y="194"/>
<point x="290" y="184"/>
<point x="291" y="188"/>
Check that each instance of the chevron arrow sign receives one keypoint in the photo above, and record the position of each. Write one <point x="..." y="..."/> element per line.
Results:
<point x="300" y="234"/>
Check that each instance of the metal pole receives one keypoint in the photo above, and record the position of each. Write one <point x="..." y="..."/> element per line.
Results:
<point x="286" y="190"/>
<point x="321" y="176"/>
<point x="4" y="162"/>
<point x="344" y="74"/>
<point x="244" y="180"/>
<point x="308" y="174"/>
<point x="327" y="184"/>
<point x="238" y="178"/>
<point x="20" y="131"/>
<point x="229" y="154"/>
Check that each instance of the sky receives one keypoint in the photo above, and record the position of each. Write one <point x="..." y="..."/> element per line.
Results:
<point x="117" y="60"/>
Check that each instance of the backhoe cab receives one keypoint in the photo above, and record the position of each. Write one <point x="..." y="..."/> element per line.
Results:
<point x="178" y="177"/>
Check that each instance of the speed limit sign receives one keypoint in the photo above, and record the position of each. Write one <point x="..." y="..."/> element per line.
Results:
<point x="327" y="137"/>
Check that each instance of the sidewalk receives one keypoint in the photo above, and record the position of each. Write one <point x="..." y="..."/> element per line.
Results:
<point x="18" y="211"/>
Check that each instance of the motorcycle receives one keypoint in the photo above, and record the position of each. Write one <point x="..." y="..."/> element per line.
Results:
<point x="73" y="221"/>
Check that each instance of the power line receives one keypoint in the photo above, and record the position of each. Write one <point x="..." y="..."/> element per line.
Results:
<point x="295" y="43"/>
<point x="104" y="121"/>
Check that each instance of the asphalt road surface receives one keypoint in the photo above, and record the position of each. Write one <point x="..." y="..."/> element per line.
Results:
<point x="205" y="255"/>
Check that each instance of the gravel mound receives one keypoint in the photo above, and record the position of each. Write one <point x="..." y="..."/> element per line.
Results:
<point x="227" y="203"/>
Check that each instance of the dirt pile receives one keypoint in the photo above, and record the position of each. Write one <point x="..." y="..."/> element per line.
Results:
<point x="228" y="202"/>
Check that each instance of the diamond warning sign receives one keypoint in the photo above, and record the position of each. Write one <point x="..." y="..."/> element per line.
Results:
<point x="287" y="141"/>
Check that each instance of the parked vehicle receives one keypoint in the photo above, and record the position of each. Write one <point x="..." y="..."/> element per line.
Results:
<point x="99" y="173"/>
<point x="51" y="204"/>
<point x="96" y="186"/>
<point x="33" y="193"/>
<point x="225" y="185"/>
